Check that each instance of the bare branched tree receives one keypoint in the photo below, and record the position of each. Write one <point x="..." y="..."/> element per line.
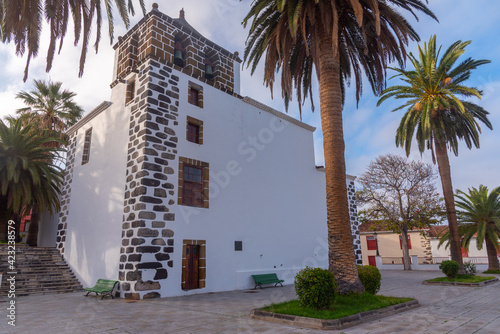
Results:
<point x="400" y="195"/>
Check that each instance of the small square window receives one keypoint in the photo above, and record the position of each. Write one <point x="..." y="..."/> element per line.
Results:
<point x="371" y="243"/>
<point x="401" y="242"/>
<point x="193" y="133"/>
<point x="238" y="245"/>
<point x="193" y="96"/>
<point x="192" y="191"/>
<point x="193" y="183"/>
<point x="130" y="92"/>
<point x="194" y="130"/>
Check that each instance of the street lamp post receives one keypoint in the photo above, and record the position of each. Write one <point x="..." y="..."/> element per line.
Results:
<point x="376" y="242"/>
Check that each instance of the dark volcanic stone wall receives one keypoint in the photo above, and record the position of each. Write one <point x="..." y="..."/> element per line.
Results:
<point x="353" y="213"/>
<point x="147" y="234"/>
<point x="66" y="193"/>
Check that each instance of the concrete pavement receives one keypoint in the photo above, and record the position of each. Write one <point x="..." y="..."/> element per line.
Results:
<point x="444" y="310"/>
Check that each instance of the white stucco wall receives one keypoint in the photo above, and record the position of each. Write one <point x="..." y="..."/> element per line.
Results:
<point x="445" y="252"/>
<point x="47" y="229"/>
<point x="93" y="236"/>
<point x="264" y="191"/>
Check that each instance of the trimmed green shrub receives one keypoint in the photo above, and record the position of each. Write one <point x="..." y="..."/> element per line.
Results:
<point x="470" y="268"/>
<point x="449" y="268"/>
<point x="315" y="287"/>
<point x="370" y="277"/>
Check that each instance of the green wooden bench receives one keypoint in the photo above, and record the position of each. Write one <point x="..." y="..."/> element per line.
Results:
<point x="266" y="279"/>
<point x="103" y="287"/>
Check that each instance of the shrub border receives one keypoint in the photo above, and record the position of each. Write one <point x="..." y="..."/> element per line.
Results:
<point x="480" y="284"/>
<point x="340" y="323"/>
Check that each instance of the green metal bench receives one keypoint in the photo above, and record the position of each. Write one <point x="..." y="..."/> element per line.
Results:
<point x="267" y="279"/>
<point x="103" y="287"/>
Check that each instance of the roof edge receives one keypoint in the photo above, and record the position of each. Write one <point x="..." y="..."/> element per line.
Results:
<point x="277" y="113"/>
<point x="87" y="118"/>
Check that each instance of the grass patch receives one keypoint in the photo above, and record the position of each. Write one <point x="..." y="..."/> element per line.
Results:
<point x="462" y="279"/>
<point x="343" y="306"/>
<point x="491" y="272"/>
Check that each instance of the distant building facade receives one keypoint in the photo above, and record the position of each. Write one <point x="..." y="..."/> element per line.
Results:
<point x="389" y="245"/>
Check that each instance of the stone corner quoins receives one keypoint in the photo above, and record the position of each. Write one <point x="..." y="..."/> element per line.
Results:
<point x="351" y="197"/>
<point x="66" y="194"/>
<point x="147" y="238"/>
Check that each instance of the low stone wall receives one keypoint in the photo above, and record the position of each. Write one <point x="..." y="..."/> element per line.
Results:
<point x="416" y="266"/>
<point x="334" y="324"/>
<point x="494" y="280"/>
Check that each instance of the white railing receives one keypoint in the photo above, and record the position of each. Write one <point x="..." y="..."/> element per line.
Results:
<point x="418" y="263"/>
<point x="392" y="260"/>
<point x="471" y="259"/>
<point x="476" y="259"/>
<point x="399" y="260"/>
<point x="439" y="260"/>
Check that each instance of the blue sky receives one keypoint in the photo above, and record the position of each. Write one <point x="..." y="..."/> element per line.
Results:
<point x="369" y="131"/>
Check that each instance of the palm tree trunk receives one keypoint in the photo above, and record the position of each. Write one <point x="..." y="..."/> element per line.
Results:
<point x="342" y="262"/>
<point x="406" y="251"/>
<point x="445" y="174"/>
<point x="493" y="263"/>
<point x="32" y="239"/>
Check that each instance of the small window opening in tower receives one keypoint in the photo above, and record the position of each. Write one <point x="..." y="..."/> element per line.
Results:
<point x="209" y="69"/>
<point x="179" y="53"/>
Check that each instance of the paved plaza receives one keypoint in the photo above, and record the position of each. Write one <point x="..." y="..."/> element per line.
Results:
<point x="457" y="310"/>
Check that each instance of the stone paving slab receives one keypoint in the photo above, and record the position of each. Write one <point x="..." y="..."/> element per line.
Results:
<point x="450" y="309"/>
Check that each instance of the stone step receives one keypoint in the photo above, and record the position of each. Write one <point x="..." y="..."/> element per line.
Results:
<point x="48" y="267"/>
<point x="53" y="271"/>
<point x="38" y="271"/>
<point x="34" y="263"/>
<point x="46" y="288"/>
<point x="35" y="257"/>
<point x="46" y="291"/>
<point x="34" y="277"/>
<point x="31" y="287"/>
<point x="19" y="252"/>
<point x="59" y="280"/>
<point x="42" y="272"/>
<point x="21" y="262"/>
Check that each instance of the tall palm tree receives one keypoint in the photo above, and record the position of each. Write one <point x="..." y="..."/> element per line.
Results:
<point x="437" y="115"/>
<point x="337" y="38"/>
<point x="28" y="177"/>
<point x="22" y="22"/>
<point x="49" y="108"/>
<point x="480" y="216"/>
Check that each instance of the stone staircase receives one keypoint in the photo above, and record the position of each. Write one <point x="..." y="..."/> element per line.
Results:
<point x="40" y="270"/>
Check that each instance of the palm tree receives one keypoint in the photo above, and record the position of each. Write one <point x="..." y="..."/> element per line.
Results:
<point x="28" y="177"/>
<point x="49" y="108"/>
<point x="480" y="216"/>
<point x="337" y="38"/>
<point x="22" y="22"/>
<point x="438" y="115"/>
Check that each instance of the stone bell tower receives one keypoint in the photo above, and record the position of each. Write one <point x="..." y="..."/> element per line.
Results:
<point x="149" y="59"/>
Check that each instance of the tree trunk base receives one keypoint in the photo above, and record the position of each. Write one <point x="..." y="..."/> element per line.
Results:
<point x="348" y="287"/>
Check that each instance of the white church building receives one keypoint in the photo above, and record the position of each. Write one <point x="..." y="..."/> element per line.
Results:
<point x="179" y="185"/>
